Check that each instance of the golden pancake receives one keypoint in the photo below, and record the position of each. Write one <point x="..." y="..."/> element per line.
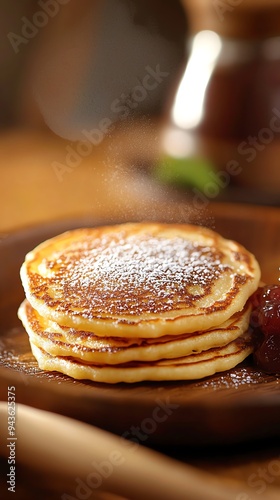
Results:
<point x="143" y="280"/>
<point x="192" y="367"/>
<point x="85" y="346"/>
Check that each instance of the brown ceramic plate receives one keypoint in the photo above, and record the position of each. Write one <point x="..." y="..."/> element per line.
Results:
<point x="238" y="405"/>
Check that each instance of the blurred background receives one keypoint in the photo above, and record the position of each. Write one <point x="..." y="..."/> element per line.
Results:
<point x="134" y="100"/>
<point x="65" y="62"/>
<point x="140" y="109"/>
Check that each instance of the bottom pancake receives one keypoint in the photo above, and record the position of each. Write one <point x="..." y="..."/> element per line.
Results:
<point x="195" y="366"/>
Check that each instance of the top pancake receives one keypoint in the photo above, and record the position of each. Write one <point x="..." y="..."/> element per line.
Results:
<point x="139" y="279"/>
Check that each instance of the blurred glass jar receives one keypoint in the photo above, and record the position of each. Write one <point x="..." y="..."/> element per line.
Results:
<point x="228" y="101"/>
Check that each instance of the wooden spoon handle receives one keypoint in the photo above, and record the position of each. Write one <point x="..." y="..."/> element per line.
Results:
<point x="88" y="456"/>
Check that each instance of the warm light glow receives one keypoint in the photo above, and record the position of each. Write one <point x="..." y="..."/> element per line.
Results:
<point x="178" y="143"/>
<point x="188" y="107"/>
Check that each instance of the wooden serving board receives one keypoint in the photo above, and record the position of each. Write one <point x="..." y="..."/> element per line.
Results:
<point x="238" y="405"/>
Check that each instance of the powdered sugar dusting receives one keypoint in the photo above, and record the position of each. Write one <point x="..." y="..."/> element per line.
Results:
<point x="129" y="275"/>
<point x="235" y="379"/>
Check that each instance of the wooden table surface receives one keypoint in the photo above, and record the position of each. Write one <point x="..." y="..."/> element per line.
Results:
<point x="103" y="185"/>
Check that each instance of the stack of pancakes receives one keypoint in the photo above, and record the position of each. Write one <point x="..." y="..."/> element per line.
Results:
<point x="139" y="301"/>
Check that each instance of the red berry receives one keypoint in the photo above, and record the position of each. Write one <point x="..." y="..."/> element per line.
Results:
<point x="265" y="319"/>
<point x="271" y="293"/>
<point x="267" y="355"/>
<point x="269" y="318"/>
